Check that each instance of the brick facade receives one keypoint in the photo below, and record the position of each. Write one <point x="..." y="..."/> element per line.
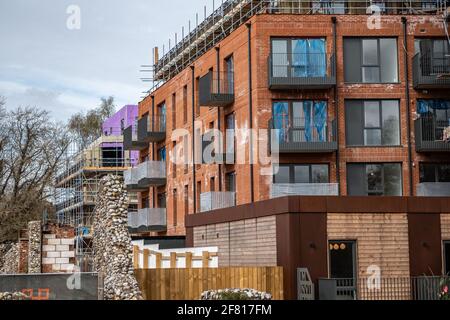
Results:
<point x="263" y="27"/>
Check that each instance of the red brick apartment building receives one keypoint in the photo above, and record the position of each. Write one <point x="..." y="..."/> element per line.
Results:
<point x="361" y="105"/>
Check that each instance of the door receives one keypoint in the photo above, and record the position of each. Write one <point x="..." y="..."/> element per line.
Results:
<point x="342" y="260"/>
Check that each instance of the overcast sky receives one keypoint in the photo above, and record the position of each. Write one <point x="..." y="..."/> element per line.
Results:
<point x="45" y="64"/>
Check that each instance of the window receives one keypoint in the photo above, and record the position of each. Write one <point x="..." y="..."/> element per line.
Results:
<point x="301" y="121"/>
<point x="299" y="57"/>
<point x="435" y="117"/>
<point x="197" y="96"/>
<point x="162" y="115"/>
<point x="198" y="193"/>
<point x="435" y="55"/>
<point x="212" y="184"/>
<point x="230" y="181"/>
<point x="374" y="179"/>
<point x="162" y="200"/>
<point x="372" y="122"/>
<point x="301" y="173"/>
<point x="186" y="200"/>
<point x="229" y="69"/>
<point x="434" y="172"/>
<point x="185" y="104"/>
<point x="230" y="141"/>
<point x="145" y="202"/>
<point x="122" y="125"/>
<point x="186" y="153"/>
<point x="175" y="207"/>
<point x="174" y="111"/>
<point x="174" y="162"/>
<point x="370" y="60"/>
<point x="162" y="154"/>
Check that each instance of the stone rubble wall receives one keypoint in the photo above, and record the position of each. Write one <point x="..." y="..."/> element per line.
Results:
<point x="13" y="296"/>
<point x="9" y="258"/>
<point x="112" y="242"/>
<point x="34" y="246"/>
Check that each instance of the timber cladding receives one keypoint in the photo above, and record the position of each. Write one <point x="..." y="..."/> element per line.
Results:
<point x="188" y="284"/>
<point x="241" y="243"/>
<point x="445" y="226"/>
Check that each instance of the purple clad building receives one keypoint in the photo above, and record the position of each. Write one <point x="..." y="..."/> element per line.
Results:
<point x="114" y="126"/>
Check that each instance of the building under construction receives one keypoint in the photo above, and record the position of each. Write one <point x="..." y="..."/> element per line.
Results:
<point x="78" y="183"/>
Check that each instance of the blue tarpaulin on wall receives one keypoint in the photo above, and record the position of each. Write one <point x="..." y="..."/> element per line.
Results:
<point x="309" y="58"/>
<point x="428" y="105"/>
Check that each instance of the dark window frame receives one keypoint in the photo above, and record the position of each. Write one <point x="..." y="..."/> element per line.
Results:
<point x="436" y="166"/>
<point x="292" y="167"/>
<point x="363" y="124"/>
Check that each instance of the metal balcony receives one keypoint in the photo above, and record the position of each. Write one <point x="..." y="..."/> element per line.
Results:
<point x="151" y="174"/>
<point x="130" y="140"/>
<point x="131" y="180"/>
<point x="279" y="190"/>
<point x="148" y="220"/>
<point x="217" y="200"/>
<point x="291" y="71"/>
<point x="152" y="129"/>
<point x="294" y="137"/>
<point x="433" y="189"/>
<point x="431" y="73"/>
<point x="216" y="90"/>
<point x="430" y="135"/>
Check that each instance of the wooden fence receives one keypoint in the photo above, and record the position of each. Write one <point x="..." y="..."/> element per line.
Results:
<point x="189" y="283"/>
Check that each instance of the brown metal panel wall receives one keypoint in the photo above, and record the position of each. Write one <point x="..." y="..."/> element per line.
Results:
<point x="425" y="252"/>
<point x="189" y="237"/>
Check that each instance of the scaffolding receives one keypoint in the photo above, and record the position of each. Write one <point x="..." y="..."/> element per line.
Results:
<point x="77" y="185"/>
<point x="231" y="14"/>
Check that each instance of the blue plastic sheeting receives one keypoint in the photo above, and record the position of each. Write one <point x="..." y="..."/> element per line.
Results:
<point x="162" y="154"/>
<point x="425" y="106"/>
<point x="320" y="119"/>
<point x="309" y="58"/>
<point x="281" y="118"/>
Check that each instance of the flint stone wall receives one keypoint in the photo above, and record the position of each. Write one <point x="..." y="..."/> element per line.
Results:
<point x="34" y="246"/>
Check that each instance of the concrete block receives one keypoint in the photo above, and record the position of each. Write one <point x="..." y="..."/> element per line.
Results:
<point x="67" y="254"/>
<point x="67" y="267"/>
<point x="48" y="248"/>
<point x="62" y="247"/>
<point x="69" y="241"/>
<point x="56" y="267"/>
<point x="48" y="260"/>
<point x="54" y="241"/>
<point x="62" y="260"/>
<point x="53" y="254"/>
<point x="49" y="236"/>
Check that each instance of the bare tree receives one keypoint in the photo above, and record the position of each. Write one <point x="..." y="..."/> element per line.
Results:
<point x="87" y="127"/>
<point x="31" y="151"/>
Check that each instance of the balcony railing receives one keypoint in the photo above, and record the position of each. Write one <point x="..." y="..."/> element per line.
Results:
<point x="152" y="129"/>
<point x="148" y="219"/>
<point x="431" y="72"/>
<point x="279" y="190"/>
<point x="297" y="137"/>
<point x="130" y="139"/>
<point x="216" y="90"/>
<point x="433" y="189"/>
<point x="217" y="200"/>
<point x="290" y="71"/>
<point x="430" y="135"/>
<point x="145" y="175"/>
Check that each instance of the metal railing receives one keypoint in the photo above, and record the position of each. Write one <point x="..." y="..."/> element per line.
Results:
<point x="131" y="139"/>
<point x="301" y="70"/>
<point x="147" y="218"/>
<point x="429" y="134"/>
<point x="217" y="200"/>
<point x="433" y="189"/>
<point x="303" y="189"/>
<point x="216" y="89"/>
<point x="384" y="288"/>
<point x="152" y="170"/>
<point x="155" y="123"/>
<point x="431" y="72"/>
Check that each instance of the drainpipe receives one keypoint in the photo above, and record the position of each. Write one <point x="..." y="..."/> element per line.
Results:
<point x="153" y="147"/>
<point x="408" y="105"/>
<point x="218" y="112"/>
<point x="250" y="109"/>
<point x="194" y="181"/>
<point x="336" y="104"/>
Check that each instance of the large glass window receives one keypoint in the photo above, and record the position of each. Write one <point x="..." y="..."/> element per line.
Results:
<point x="299" y="57"/>
<point x="372" y="122"/>
<point x="229" y="69"/>
<point x="434" y="172"/>
<point x="374" y="179"/>
<point x="370" y="60"/>
<point x="435" y="55"/>
<point x="301" y="173"/>
<point x="301" y="121"/>
<point x="435" y="117"/>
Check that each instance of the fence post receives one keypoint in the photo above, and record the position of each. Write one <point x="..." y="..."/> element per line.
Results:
<point x="188" y="259"/>
<point x="205" y="259"/>
<point x="158" y="260"/>
<point x="146" y="255"/>
<point x="173" y="259"/>
<point x="136" y="257"/>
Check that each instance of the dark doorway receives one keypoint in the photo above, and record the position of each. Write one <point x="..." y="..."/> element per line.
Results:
<point x="447" y="257"/>
<point x="112" y="156"/>
<point x="342" y="259"/>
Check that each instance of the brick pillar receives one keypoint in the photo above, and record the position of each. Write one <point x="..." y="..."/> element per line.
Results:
<point x="34" y="246"/>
